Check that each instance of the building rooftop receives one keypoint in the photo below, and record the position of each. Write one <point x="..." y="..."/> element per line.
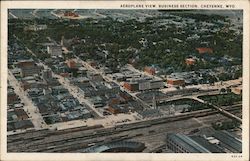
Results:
<point x="232" y="143"/>
<point x="189" y="144"/>
<point x="211" y="147"/>
<point x="23" y="124"/>
<point x="128" y="146"/>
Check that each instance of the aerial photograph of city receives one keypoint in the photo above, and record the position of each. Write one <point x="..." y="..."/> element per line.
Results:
<point x="124" y="81"/>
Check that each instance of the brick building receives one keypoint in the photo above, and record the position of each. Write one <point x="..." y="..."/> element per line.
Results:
<point x="175" y="82"/>
<point x="204" y="50"/>
<point x="131" y="86"/>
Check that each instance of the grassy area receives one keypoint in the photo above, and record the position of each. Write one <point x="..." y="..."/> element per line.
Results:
<point x="223" y="99"/>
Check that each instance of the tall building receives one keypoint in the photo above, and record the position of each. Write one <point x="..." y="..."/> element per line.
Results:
<point x="131" y="86"/>
<point x="175" y="81"/>
<point x="26" y="63"/>
<point x="54" y="50"/>
<point x="28" y="68"/>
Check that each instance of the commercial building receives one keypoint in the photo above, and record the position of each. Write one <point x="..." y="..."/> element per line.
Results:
<point x="118" y="108"/>
<point x="156" y="84"/>
<point x="54" y="50"/>
<point x="125" y="96"/>
<point x="180" y="143"/>
<point x="25" y="63"/>
<point x="12" y="97"/>
<point x="228" y="141"/>
<point x="27" y="84"/>
<point x="23" y="124"/>
<point x="175" y="81"/>
<point x="131" y="86"/>
<point x="213" y="142"/>
<point x="35" y="92"/>
<point x="43" y="109"/>
<point x="210" y="143"/>
<point x="97" y="101"/>
<point x="28" y="67"/>
<point x="21" y="114"/>
<point x="57" y="90"/>
<point x="143" y="84"/>
<point x="97" y="88"/>
<point x="94" y="76"/>
<point x="83" y="114"/>
<point x="192" y="77"/>
<point x="30" y="71"/>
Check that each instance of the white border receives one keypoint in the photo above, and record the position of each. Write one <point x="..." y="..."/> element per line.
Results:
<point x="111" y="157"/>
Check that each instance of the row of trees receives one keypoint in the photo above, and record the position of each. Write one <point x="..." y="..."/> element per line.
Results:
<point x="225" y="125"/>
<point x="223" y="99"/>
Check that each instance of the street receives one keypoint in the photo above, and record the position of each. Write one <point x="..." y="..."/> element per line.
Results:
<point x="29" y="107"/>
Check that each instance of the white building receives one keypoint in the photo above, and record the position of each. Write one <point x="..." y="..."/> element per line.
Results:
<point x="35" y="27"/>
<point x="54" y="50"/>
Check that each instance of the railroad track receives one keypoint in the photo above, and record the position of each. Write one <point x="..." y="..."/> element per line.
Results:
<point x="51" y="141"/>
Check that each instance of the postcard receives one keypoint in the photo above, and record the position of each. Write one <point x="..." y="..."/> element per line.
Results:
<point x="125" y="80"/>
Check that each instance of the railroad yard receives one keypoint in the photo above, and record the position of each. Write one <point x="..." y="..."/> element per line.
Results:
<point x="151" y="132"/>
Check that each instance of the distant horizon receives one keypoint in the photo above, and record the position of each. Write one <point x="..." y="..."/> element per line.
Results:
<point x="221" y="12"/>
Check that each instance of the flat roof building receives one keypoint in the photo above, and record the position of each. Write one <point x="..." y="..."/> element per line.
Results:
<point x="175" y="81"/>
<point x="229" y="141"/>
<point x="54" y="50"/>
<point x="180" y="143"/>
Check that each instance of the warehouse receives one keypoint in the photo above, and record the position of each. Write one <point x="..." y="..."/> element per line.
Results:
<point x="180" y="143"/>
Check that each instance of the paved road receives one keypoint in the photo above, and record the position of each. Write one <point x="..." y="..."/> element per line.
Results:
<point x="73" y="90"/>
<point x="29" y="107"/>
<point x="108" y="79"/>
